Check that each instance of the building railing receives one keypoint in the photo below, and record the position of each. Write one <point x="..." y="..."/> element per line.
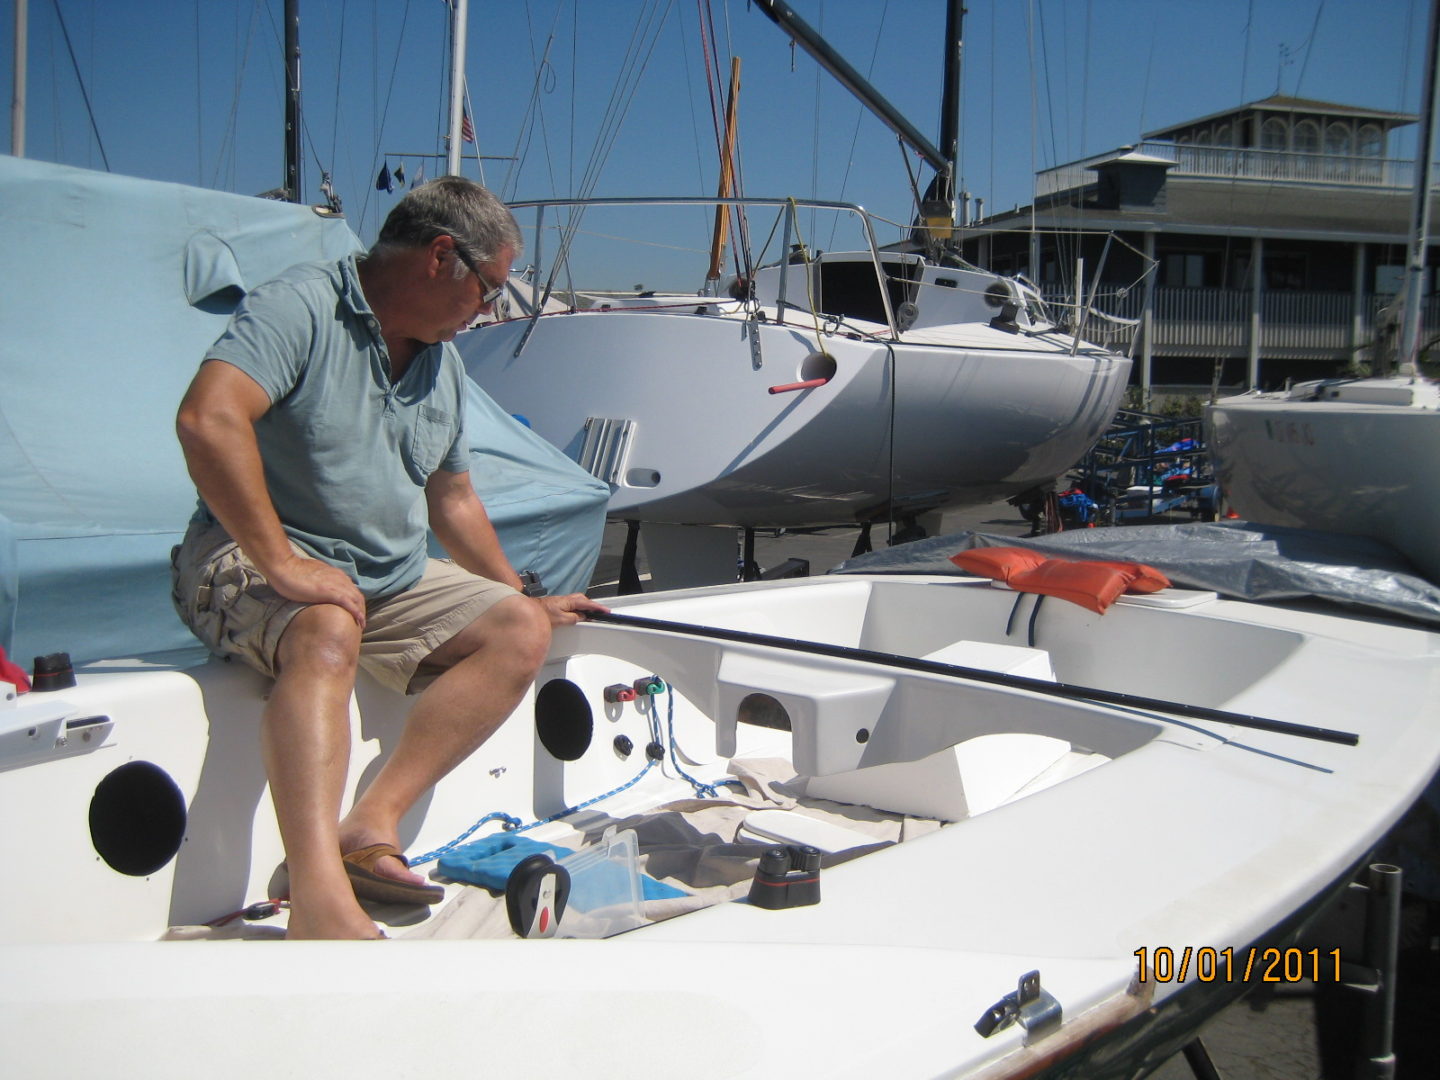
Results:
<point x="1242" y="163"/>
<point x="1216" y="322"/>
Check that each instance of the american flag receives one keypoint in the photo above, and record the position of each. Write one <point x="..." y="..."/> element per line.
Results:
<point x="467" y="129"/>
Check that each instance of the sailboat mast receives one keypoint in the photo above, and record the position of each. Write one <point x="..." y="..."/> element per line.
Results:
<point x="950" y="96"/>
<point x="460" y="15"/>
<point x="1420" y="205"/>
<point x="292" y="101"/>
<point x="17" y="97"/>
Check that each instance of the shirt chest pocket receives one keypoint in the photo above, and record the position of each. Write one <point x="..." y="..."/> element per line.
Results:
<point x="428" y="442"/>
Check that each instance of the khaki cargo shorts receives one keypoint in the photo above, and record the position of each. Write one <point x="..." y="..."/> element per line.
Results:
<point x="232" y="609"/>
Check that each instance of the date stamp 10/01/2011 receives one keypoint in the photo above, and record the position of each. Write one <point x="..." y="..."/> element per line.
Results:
<point x="1163" y="964"/>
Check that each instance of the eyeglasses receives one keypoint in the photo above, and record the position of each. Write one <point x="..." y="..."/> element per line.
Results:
<point x="490" y="295"/>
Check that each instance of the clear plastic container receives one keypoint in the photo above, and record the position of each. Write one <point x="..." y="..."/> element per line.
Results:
<point x="604" y="888"/>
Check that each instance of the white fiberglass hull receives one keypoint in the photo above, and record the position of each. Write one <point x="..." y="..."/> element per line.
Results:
<point x="1164" y="834"/>
<point x="1341" y="466"/>
<point x="963" y="417"/>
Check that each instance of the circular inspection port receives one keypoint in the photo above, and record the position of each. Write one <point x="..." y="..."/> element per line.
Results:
<point x="137" y="818"/>
<point x="563" y="719"/>
<point x="818" y="365"/>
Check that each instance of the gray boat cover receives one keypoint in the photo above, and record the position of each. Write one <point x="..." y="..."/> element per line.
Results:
<point x="114" y="288"/>
<point x="1234" y="558"/>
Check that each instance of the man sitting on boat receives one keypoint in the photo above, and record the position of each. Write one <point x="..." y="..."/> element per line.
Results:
<point x="323" y="431"/>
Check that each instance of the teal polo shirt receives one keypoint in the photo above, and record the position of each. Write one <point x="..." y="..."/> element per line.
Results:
<point x="346" y="450"/>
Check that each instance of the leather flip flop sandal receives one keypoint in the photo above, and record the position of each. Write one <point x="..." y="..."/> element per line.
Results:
<point x="368" y="885"/>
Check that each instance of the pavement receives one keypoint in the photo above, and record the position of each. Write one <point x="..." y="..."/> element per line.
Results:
<point x="1294" y="1032"/>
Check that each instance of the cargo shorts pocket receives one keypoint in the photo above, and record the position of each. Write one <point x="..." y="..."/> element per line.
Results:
<point x="190" y="593"/>
<point x="221" y="598"/>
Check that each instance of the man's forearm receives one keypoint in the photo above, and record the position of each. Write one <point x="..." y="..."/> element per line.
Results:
<point x="224" y="461"/>
<point x="465" y="532"/>
<point x="216" y="427"/>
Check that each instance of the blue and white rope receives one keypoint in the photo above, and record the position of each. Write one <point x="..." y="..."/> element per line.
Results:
<point x="512" y="823"/>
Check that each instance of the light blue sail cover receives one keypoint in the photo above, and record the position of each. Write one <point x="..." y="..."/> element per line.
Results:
<point x="113" y="288"/>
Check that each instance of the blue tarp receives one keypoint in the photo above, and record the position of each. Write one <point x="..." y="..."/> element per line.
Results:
<point x="114" y="288"/>
<point x="549" y="512"/>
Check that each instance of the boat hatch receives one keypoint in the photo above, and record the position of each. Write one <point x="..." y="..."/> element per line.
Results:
<point x="848" y="289"/>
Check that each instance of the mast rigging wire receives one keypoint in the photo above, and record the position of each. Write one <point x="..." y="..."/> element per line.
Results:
<point x="199" y="111"/>
<point x="227" y="141"/>
<point x="339" y="67"/>
<point x="712" y="65"/>
<point x="80" y="80"/>
<point x="859" y="116"/>
<point x="1064" y="256"/>
<point x="643" y="40"/>
<point x="690" y="99"/>
<point x="1308" y="45"/>
<point x="544" y="77"/>
<point x="709" y="49"/>
<point x="739" y="219"/>
<point x="993" y="35"/>
<point x="385" y="112"/>
<point x="739" y="233"/>
<point x="1085" y="77"/>
<point x="815" y="129"/>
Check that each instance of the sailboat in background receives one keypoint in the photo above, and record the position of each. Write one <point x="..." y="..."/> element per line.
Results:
<point x="1350" y="455"/>
<point x="819" y="388"/>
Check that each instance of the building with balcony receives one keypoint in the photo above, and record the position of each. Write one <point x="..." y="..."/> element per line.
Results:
<point x="1277" y="232"/>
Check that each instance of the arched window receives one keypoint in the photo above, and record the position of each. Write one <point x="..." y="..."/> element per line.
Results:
<point x="1371" y="141"/>
<point x="1224" y="136"/>
<point x="1337" y="140"/>
<point x="1307" y="137"/>
<point x="1202" y="138"/>
<point x="1274" y="135"/>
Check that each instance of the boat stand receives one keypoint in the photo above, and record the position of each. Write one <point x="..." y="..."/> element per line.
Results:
<point x="696" y="555"/>
<point x="1375" y="977"/>
<point x="750" y="570"/>
<point x="630" y="560"/>
<point x="1198" y="1058"/>
<point x="1365" y="922"/>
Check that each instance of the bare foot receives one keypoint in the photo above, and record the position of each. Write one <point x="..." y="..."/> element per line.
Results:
<point x="325" y="919"/>
<point x="391" y="867"/>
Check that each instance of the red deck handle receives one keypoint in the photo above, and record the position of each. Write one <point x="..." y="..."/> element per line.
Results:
<point x="806" y="385"/>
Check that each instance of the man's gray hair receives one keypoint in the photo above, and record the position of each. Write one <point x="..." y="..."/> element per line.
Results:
<point x="481" y="225"/>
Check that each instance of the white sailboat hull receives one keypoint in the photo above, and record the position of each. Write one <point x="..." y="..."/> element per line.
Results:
<point x="1359" y="467"/>
<point x="1165" y="834"/>
<point x="956" y="416"/>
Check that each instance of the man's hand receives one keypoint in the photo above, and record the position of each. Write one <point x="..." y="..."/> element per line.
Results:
<point x="570" y="609"/>
<point x="310" y="581"/>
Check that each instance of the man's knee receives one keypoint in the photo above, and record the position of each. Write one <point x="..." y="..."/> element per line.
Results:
<point x="515" y="632"/>
<point x="322" y="637"/>
<point x="525" y="631"/>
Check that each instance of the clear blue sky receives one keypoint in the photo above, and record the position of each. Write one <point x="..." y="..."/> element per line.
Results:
<point x="192" y="91"/>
